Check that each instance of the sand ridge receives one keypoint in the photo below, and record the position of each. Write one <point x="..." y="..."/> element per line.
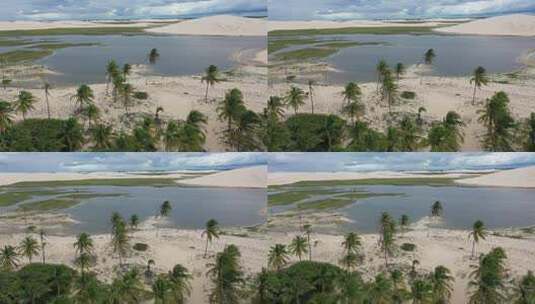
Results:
<point x="250" y="177"/>
<point x="520" y="177"/>
<point x="507" y="25"/>
<point x="219" y="25"/>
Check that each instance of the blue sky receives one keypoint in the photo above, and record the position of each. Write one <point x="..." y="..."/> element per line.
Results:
<point x="88" y="162"/>
<point x="328" y="162"/>
<point x="125" y="9"/>
<point x="392" y="9"/>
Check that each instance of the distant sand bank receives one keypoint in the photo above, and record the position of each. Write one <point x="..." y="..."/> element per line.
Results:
<point x="521" y="177"/>
<point x="220" y="25"/>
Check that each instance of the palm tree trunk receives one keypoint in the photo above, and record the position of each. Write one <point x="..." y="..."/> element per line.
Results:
<point x="309" y="248"/>
<point x="47" y="106"/>
<point x="206" y="248"/>
<point x="473" y="249"/>
<point x="206" y="94"/>
<point x="474" y="98"/>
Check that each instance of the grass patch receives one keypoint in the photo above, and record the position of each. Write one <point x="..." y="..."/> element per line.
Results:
<point x="62" y="202"/>
<point x="291" y="197"/>
<point x="417" y="181"/>
<point x="345" y="44"/>
<point x="19" y="56"/>
<point x="390" y="30"/>
<point x="140" y="247"/>
<point x="57" y="46"/>
<point x="77" y="31"/>
<point x="408" y="95"/>
<point x="363" y="195"/>
<point x="14" y="42"/>
<point x="151" y="182"/>
<point x="408" y="247"/>
<point x="12" y="198"/>
<point x="330" y="203"/>
<point x="279" y="44"/>
<point x="307" y="53"/>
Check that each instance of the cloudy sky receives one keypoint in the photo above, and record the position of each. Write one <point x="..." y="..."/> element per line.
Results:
<point x="89" y="162"/>
<point x="390" y="9"/>
<point x="125" y="9"/>
<point x="328" y="162"/>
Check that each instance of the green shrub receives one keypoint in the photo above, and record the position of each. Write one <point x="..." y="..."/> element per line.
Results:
<point x="408" y="95"/>
<point x="141" y="95"/>
<point x="315" y="132"/>
<point x="408" y="247"/>
<point x="141" y="247"/>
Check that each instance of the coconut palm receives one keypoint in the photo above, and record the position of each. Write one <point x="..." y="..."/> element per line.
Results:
<point x="436" y="209"/>
<point x="387" y="229"/>
<point x="499" y="122"/>
<point x="191" y="134"/>
<point x="84" y="250"/>
<point x="9" y="259"/>
<point x="381" y="68"/>
<point x="298" y="246"/>
<point x="479" y="79"/>
<point x="389" y="89"/>
<point x="311" y="84"/>
<point x="42" y="238"/>
<point x="150" y="263"/>
<point x="127" y="70"/>
<point x="24" y="103"/>
<point x="419" y="120"/>
<point x="160" y="289"/>
<point x="295" y="98"/>
<point x="6" y="116"/>
<point x="407" y="136"/>
<point x="134" y="221"/>
<point x="525" y="289"/>
<point x="226" y="276"/>
<point x="400" y="70"/>
<point x="84" y="96"/>
<point x="308" y="232"/>
<point x="404" y="222"/>
<point x="353" y="110"/>
<point x="111" y="69"/>
<point x="47" y="87"/>
<point x="489" y="279"/>
<point x="127" y="91"/>
<point x="442" y="283"/>
<point x="211" y="231"/>
<point x="211" y="77"/>
<point x="479" y="232"/>
<point x="120" y="242"/>
<point x="421" y="291"/>
<point x="275" y="107"/>
<point x="165" y="209"/>
<point x="118" y="86"/>
<point x="231" y="107"/>
<point x="29" y="247"/>
<point x="91" y="113"/>
<point x="277" y="257"/>
<point x="179" y="284"/>
<point x="153" y="56"/>
<point x="101" y="135"/>
<point x="351" y="243"/>
<point x="71" y="135"/>
<point x="429" y="56"/>
<point x="351" y="92"/>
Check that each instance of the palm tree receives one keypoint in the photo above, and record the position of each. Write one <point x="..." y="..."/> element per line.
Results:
<point x="400" y="70"/>
<point x="231" y="107"/>
<point x="499" y="122"/>
<point x="118" y="86"/>
<point x="298" y="247"/>
<point x="308" y="231"/>
<point x="389" y="89"/>
<point x="71" y="135"/>
<point x="42" y="237"/>
<point x="353" y="110"/>
<point x="277" y="257"/>
<point x="211" y="77"/>
<point x="387" y="229"/>
<point x="29" y="247"/>
<point x="127" y="90"/>
<point x="120" y="241"/>
<point x="525" y="290"/>
<point x="165" y="209"/>
<point x="91" y="113"/>
<point x="150" y="263"/>
<point x="421" y="291"/>
<point x="84" y="96"/>
<point x="429" y="56"/>
<point x="101" y="135"/>
<point x="351" y="243"/>
<point x="489" y="279"/>
<point x="111" y="69"/>
<point x="6" y="118"/>
<point x="127" y="70"/>
<point x="311" y="84"/>
<point x="442" y="282"/>
<point x="479" y="79"/>
<point x="46" y="88"/>
<point x="381" y="68"/>
<point x="160" y="288"/>
<point x="404" y="222"/>
<point x="9" y="258"/>
<point x="179" y="283"/>
<point x="226" y="276"/>
<point x="436" y="209"/>
<point x="84" y="249"/>
<point x="134" y="221"/>
<point x="211" y="231"/>
<point x="153" y="56"/>
<point x="295" y="98"/>
<point x="419" y="120"/>
<point x="479" y="232"/>
<point x="24" y="103"/>
<point x="351" y="92"/>
<point x="275" y="107"/>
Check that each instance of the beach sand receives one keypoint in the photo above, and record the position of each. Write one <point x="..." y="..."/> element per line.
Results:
<point x="275" y="25"/>
<point x="220" y="25"/>
<point x="508" y="25"/>
<point x="521" y="177"/>
<point x="250" y="177"/>
<point x="40" y="25"/>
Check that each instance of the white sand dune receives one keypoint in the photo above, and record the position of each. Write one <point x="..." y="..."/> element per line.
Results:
<point x="508" y="25"/>
<point x="250" y="177"/>
<point x="323" y="24"/>
<point x="283" y="178"/>
<point x="40" y="25"/>
<point x="521" y="177"/>
<point x="9" y="178"/>
<point x="220" y="25"/>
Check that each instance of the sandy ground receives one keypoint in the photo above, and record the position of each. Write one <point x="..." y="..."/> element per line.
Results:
<point x="323" y="24"/>
<point x="39" y="25"/>
<point x="167" y="247"/>
<point x="8" y="178"/>
<point x="177" y="95"/>
<point x="521" y="177"/>
<point x="282" y="178"/>
<point x="450" y="248"/>
<point x="438" y="95"/>
<point x="250" y="177"/>
<point x="220" y="25"/>
<point x="508" y="25"/>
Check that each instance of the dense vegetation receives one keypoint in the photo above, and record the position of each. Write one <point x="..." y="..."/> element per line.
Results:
<point x="281" y="281"/>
